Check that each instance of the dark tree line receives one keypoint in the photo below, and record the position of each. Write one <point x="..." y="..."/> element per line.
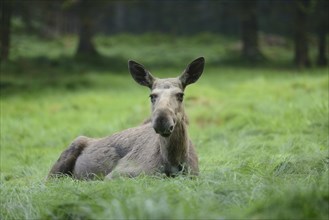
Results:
<point x="302" y="13"/>
<point x="249" y="30"/>
<point x="321" y="28"/>
<point x="86" y="32"/>
<point x="245" y="18"/>
<point x="5" y="10"/>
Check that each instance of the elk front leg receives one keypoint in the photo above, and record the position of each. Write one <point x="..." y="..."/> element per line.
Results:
<point x="131" y="169"/>
<point x="114" y="175"/>
<point x="126" y="172"/>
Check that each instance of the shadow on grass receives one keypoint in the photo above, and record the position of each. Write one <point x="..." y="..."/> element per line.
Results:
<point x="242" y="63"/>
<point x="70" y="73"/>
<point x="25" y="75"/>
<point x="72" y="65"/>
<point x="118" y="64"/>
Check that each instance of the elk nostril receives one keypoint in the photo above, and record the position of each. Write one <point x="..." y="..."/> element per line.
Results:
<point x="171" y="128"/>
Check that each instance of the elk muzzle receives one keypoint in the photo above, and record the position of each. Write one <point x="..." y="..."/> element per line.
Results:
<point x="163" y="122"/>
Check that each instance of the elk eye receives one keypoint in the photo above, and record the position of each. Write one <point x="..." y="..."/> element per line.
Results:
<point x="180" y="96"/>
<point x="153" y="98"/>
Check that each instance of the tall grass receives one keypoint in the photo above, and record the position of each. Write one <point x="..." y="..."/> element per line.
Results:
<point x="261" y="133"/>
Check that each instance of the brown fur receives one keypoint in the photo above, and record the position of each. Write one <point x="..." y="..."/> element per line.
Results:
<point x="160" y="145"/>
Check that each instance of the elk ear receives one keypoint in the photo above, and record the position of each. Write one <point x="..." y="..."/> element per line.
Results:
<point x="192" y="72"/>
<point x="140" y="74"/>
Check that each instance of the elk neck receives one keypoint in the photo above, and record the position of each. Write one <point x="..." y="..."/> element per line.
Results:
<point x="175" y="147"/>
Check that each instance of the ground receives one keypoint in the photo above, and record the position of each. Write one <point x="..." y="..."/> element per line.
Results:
<point x="261" y="132"/>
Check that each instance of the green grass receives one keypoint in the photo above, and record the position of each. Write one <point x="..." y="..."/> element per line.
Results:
<point x="261" y="133"/>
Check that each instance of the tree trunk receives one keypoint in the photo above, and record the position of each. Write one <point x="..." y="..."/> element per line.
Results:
<point x="301" y="34"/>
<point x="6" y="8"/>
<point x="119" y="15"/>
<point x="322" y="30"/>
<point x="322" y="45"/>
<point x="249" y="30"/>
<point x="86" y="31"/>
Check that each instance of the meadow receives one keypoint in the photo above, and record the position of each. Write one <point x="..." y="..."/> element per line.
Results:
<point x="261" y="131"/>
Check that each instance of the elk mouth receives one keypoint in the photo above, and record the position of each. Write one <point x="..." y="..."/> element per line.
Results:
<point x="164" y="131"/>
<point x="165" y="135"/>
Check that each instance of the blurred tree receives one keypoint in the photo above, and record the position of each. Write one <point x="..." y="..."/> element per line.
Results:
<point x="322" y="30"/>
<point x="249" y="30"/>
<point x="51" y="15"/>
<point x="49" y="19"/>
<point x="85" y="9"/>
<point x="302" y="11"/>
<point x="24" y="10"/>
<point x="5" y="10"/>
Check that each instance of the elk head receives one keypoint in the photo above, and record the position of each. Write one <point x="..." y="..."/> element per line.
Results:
<point x="167" y="94"/>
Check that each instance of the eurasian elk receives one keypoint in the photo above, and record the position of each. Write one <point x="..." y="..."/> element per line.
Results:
<point x="160" y="145"/>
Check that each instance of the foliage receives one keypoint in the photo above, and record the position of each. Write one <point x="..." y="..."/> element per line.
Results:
<point x="261" y="132"/>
